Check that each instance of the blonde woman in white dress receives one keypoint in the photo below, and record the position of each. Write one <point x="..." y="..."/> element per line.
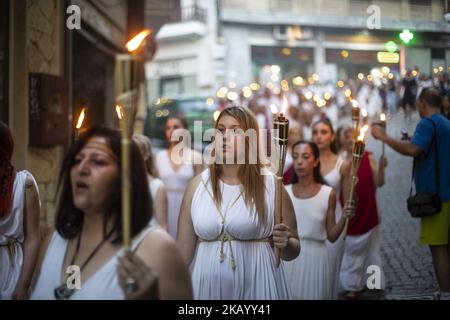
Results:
<point x="19" y="223"/>
<point x="156" y="186"/>
<point x="310" y="275"/>
<point x="227" y="221"/>
<point x="332" y="170"/>
<point x="176" y="175"/>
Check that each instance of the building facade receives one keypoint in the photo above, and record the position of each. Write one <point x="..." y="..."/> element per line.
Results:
<point x="228" y="42"/>
<point x="190" y="59"/>
<point x="49" y="72"/>
<point x="336" y="39"/>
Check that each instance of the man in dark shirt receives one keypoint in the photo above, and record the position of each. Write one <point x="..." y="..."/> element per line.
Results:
<point x="408" y="102"/>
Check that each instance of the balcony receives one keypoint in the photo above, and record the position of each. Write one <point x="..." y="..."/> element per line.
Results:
<point x="192" y="25"/>
<point x="193" y="13"/>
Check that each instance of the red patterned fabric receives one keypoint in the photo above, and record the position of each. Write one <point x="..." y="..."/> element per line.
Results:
<point x="6" y="186"/>
<point x="287" y="177"/>
<point x="366" y="213"/>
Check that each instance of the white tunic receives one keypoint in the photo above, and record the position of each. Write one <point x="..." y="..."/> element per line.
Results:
<point x="175" y="183"/>
<point x="361" y="252"/>
<point x="332" y="114"/>
<point x="336" y="249"/>
<point x="154" y="186"/>
<point x="374" y="103"/>
<point x="11" y="228"/>
<point x="289" y="162"/>
<point x="102" y="285"/>
<point x="309" y="275"/>
<point x="255" y="275"/>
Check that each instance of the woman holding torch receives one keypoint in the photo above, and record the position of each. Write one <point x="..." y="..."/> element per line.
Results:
<point x="362" y="244"/>
<point x="310" y="275"/>
<point x="227" y="219"/>
<point x="85" y="258"/>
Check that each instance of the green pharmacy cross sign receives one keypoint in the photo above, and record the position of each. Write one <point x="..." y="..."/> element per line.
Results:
<point x="406" y="36"/>
<point x="391" y="46"/>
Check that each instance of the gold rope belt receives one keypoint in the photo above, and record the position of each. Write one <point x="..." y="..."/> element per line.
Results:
<point x="10" y="244"/>
<point x="225" y="237"/>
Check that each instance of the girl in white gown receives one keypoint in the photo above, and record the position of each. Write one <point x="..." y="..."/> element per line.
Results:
<point x="227" y="217"/>
<point x="19" y="223"/>
<point x="310" y="275"/>
<point x="332" y="171"/>
<point x="156" y="186"/>
<point x="176" y="175"/>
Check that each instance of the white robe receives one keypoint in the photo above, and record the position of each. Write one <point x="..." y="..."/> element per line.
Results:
<point x="175" y="183"/>
<point x="255" y="276"/>
<point x="360" y="253"/>
<point x="309" y="275"/>
<point x="12" y="227"/>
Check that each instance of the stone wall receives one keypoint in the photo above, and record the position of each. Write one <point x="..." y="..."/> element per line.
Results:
<point x="108" y="20"/>
<point x="43" y="32"/>
<point x="44" y="55"/>
<point x="45" y="28"/>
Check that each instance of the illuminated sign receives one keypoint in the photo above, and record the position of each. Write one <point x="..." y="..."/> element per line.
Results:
<point x="391" y="46"/>
<point x="388" y="57"/>
<point x="406" y="36"/>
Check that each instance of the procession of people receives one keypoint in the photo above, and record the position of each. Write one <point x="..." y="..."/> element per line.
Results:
<point x="210" y="227"/>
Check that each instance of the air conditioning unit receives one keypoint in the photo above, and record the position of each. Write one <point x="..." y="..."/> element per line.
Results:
<point x="447" y="17"/>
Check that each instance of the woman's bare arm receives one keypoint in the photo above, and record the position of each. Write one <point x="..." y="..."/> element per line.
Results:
<point x="32" y="239"/>
<point x="186" y="237"/>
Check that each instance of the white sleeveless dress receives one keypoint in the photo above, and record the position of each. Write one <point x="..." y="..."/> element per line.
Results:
<point x="309" y="275"/>
<point x="175" y="183"/>
<point x="102" y="285"/>
<point x="154" y="186"/>
<point x="336" y="249"/>
<point x="12" y="231"/>
<point x="255" y="276"/>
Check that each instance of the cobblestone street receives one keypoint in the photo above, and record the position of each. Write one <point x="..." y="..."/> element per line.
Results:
<point x="407" y="265"/>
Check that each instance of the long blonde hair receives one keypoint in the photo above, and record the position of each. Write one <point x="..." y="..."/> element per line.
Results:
<point x="249" y="174"/>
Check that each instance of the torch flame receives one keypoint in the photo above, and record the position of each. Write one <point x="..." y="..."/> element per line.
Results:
<point x="355" y="103"/>
<point x="81" y="118"/>
<point x="364" y="113"/>
<point x="362" y="132"/>
<point x="382" y="117"/>
<point x="119" y="112"/>
<point x="284" y="105"/>
<point x="134" y="43"/>
<point x="273" y="108"/>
